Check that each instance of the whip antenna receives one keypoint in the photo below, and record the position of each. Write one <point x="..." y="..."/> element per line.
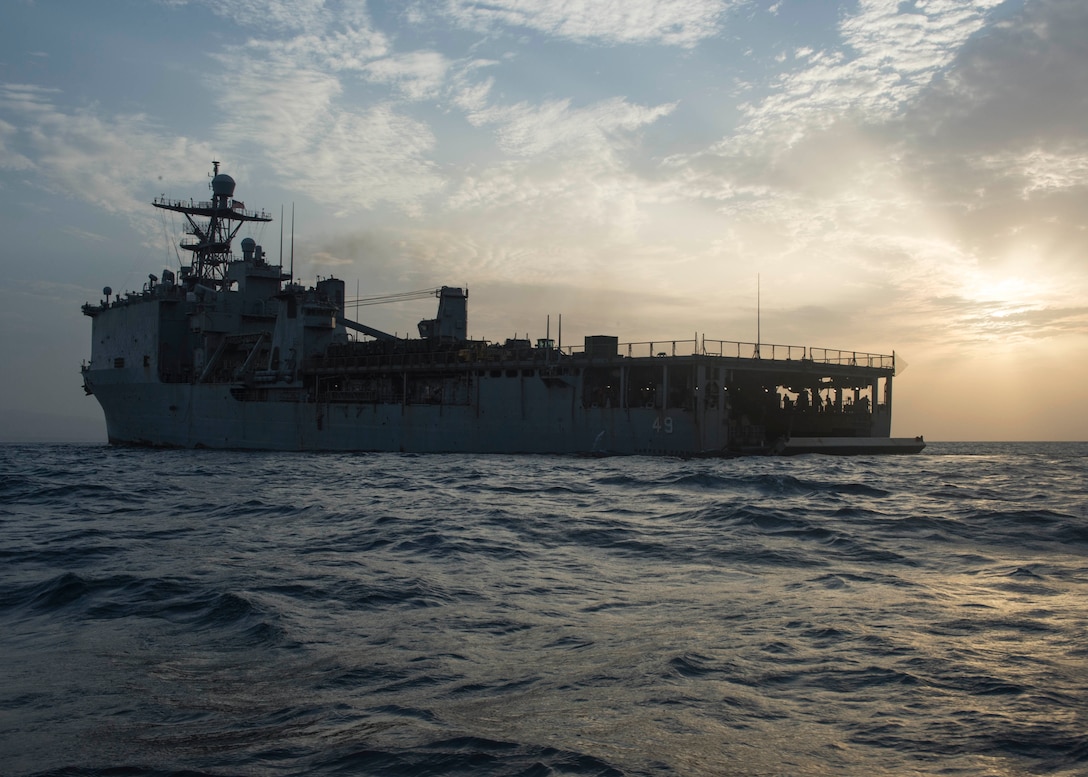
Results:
<point x="757" y="316"/>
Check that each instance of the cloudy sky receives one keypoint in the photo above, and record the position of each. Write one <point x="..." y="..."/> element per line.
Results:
<point x="892" y="175"/>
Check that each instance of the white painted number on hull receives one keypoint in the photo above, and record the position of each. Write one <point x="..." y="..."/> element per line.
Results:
<point x="666" y="426"/>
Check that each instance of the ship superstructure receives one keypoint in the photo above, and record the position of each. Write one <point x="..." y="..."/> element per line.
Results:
<point x="230" y="352"/>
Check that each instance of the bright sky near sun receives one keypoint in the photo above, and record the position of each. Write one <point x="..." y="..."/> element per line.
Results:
<point x="893" y="175"/>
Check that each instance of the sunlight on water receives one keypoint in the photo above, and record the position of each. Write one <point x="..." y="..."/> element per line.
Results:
<point x="266" y="613"/>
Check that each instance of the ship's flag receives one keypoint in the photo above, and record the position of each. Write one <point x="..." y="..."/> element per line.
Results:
<point x="238" y="205"/>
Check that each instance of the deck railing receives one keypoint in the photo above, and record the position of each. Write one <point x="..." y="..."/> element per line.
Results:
<point x="492" y="357"/>
<point x="851" y="358"/>
<point x="742" y="350"/>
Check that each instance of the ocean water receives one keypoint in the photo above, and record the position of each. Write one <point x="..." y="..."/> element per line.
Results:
<point x="222" y="613"/>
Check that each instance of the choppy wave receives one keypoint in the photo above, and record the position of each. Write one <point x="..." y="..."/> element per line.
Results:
<point x="207" y="613"/>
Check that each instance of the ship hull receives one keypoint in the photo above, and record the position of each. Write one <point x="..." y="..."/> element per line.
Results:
<point x="211" y="416"/>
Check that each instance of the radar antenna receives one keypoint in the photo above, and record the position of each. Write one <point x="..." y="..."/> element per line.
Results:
<point x="212" y="225"/>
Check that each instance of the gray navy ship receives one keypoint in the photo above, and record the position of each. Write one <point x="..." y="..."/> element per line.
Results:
<point x="231" y="352"/>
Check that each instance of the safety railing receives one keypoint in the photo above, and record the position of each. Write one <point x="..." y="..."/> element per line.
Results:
<point x="746" y="350"/>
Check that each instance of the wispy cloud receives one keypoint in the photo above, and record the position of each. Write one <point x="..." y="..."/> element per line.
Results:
<point x="416" y="75"/>
<point x="27" y="98"/>
<point x="830" y="106"/>
<point x="889" y="52"/>
<point x="287" y="97"/>
<point x="280" y="16"/>
<point x="671" y="22"/>
<point x="111" y="160"/>
<point x="564" y="196"/>
<point x="1038" y="170"/>
<point x="528" y="130"/>
<point x="9" y="158"/>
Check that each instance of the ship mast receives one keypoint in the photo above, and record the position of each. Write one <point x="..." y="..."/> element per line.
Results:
<point x="212" y="226"/>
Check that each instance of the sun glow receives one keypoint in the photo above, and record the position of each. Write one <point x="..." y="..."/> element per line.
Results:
<point x="1004" y="292"/>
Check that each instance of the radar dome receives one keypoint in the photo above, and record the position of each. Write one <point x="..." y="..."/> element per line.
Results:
<point x="107" y="291"/>
<point x="248" y="244"/>
<point x="223" y="185"/>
